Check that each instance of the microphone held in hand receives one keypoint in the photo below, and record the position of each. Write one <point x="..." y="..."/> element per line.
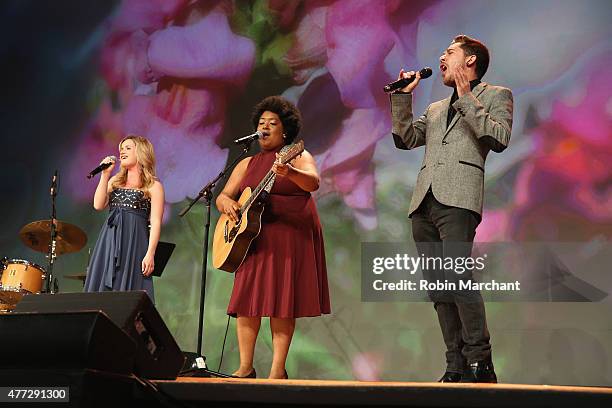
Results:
<point x="400" y="83"/>
<point x="101" y="167"/>
<point x="250" y="138"/>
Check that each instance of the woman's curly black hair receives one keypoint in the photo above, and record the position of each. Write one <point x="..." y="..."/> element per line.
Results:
<point x="288" y="113"/>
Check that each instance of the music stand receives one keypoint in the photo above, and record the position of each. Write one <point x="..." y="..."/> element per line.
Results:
<point x="162" y="255"/>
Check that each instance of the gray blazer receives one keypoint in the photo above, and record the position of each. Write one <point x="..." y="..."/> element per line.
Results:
<point x="454" y="161"/>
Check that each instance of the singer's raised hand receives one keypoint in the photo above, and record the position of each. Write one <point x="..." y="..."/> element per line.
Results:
<point x="461" y="79"/>
<point x="410" y="87"/>
<point x="108" y="159"/>
<point x="104" y="187"/>
<point x="281" y="169"/>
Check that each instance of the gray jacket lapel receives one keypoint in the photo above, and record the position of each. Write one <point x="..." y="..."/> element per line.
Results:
<point x="444" y="116"/>
<point x="476" y="91"/>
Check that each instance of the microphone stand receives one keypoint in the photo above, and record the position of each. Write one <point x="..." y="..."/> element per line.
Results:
<point x="196" y="361"/>
<point x="51" y="284"/>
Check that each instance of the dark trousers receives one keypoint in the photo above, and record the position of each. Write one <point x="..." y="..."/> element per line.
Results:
<point x="448" y="232"/>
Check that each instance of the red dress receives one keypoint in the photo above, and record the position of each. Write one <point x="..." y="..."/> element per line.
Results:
<point x="284" y="273"/>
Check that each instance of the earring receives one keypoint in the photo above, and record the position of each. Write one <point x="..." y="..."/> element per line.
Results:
<point x="284" y="136"/>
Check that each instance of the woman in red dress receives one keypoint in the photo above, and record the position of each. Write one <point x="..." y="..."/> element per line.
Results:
<point x="283" y="275"/>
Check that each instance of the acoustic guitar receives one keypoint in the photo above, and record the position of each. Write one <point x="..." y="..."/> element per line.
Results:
<point x="232" y="240"/>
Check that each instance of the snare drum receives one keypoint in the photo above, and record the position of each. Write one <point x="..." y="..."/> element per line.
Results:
<point x="20" y="277"/>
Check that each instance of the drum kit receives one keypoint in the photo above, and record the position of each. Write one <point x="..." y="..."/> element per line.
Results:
<point x="19" y="277"/>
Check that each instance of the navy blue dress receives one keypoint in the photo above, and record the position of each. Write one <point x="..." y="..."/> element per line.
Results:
<point x="116" y="261"/>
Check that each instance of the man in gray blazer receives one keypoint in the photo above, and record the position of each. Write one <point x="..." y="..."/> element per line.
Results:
<point x="458" y="132"/>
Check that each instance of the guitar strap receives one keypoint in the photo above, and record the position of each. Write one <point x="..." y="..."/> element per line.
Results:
<point x="270" y="183"/>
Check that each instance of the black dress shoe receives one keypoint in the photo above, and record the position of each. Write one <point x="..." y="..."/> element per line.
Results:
<point x="449" y="377"/>
<point x="252" y="374"/>
<point x="480" y="372"/>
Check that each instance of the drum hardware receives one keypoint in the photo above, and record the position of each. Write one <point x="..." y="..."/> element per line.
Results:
<point x="77" y="276"/>
<point x="51" y="286"/>
<point x="81" y="276"/>
<point x="52" y="237"/>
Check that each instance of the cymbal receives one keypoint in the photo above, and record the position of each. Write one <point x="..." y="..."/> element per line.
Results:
<point x="37" y="236"/>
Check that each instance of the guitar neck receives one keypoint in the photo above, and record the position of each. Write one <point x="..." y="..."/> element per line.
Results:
<point x="260" y="187"/>
<point x="288" y="155"/>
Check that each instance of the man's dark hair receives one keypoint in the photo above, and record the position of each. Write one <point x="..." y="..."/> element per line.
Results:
<point x="471" y="46"/>
<point x="288" y="113"/>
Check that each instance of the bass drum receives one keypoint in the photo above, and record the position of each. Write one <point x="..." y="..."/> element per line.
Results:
<point x="6" y="308"/>
<point x="19" y="277"/>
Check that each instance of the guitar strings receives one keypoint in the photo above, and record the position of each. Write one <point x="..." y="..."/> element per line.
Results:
<point x="264" y="182"/>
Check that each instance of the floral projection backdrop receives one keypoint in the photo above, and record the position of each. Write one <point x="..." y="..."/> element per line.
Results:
<point x="186" y="74"/>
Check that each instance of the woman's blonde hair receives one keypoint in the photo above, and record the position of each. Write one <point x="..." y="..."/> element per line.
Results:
<point x="145" y="159"/>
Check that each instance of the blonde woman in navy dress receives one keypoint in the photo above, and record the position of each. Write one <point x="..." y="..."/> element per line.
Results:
<point x="123" y="258"/>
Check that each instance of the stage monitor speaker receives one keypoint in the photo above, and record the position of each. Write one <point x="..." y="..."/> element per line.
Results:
<point x="157" y="354"/>
<point x="65" y="340"/>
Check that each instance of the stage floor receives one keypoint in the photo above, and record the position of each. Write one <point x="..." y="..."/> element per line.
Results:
<point x="228" y="392"/>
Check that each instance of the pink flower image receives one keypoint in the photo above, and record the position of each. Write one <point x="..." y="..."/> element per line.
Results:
<point x="187" y="75"/>
<point x="339" y="60"/>
<point x="172" y="83"/>
<point x="569" y="173"/>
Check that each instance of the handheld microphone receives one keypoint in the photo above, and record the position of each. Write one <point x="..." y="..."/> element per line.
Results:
<point x="101" y="167"/>
<point x="400" y="83"/>
<point x="250" y="138"/>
